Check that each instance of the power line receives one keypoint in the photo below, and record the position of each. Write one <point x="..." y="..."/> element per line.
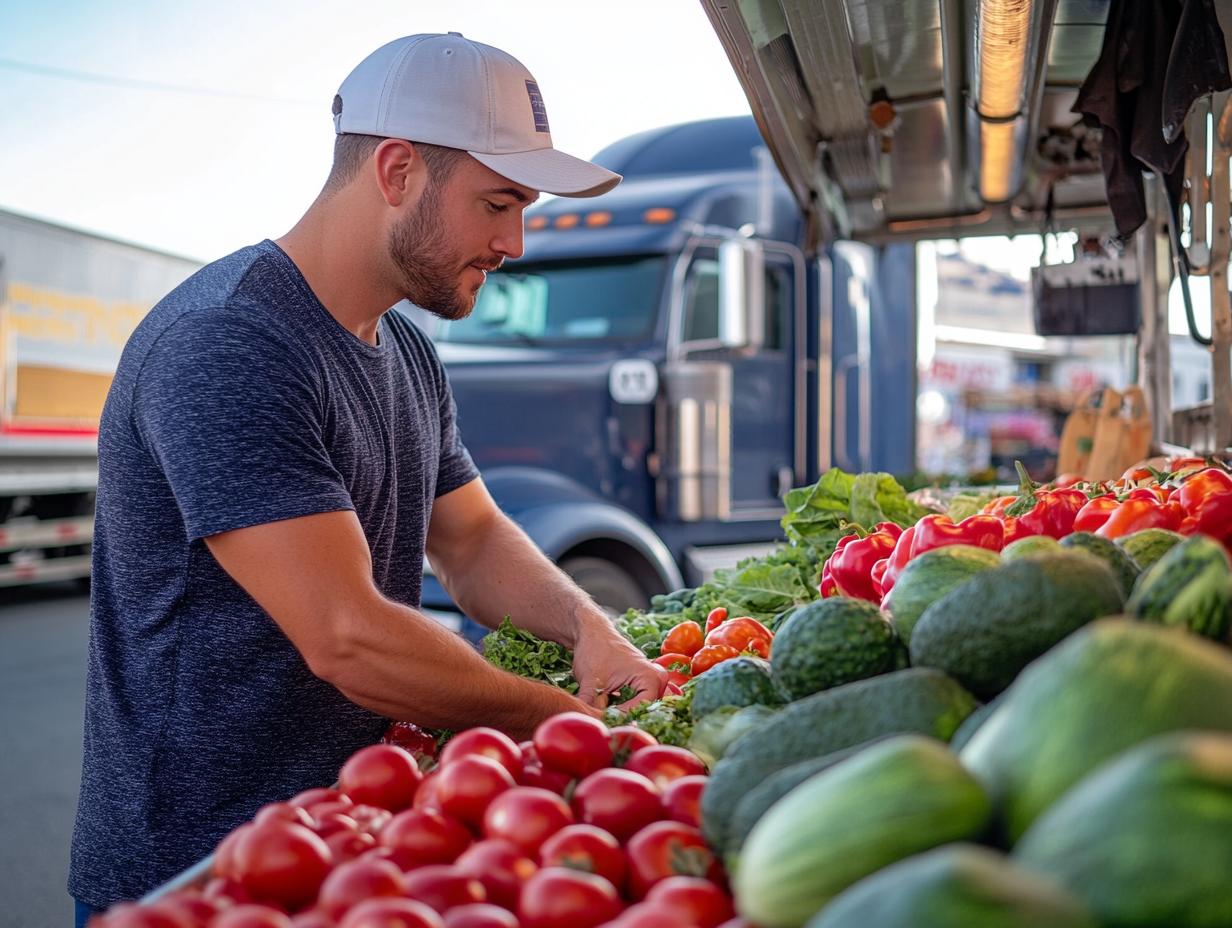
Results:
<point x="135" y="84"/>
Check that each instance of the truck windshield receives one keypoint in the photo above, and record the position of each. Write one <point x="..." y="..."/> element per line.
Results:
<point x="594" y="301"/>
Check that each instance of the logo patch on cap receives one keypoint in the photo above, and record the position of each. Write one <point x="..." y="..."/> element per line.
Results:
<point x="537" y="107"/>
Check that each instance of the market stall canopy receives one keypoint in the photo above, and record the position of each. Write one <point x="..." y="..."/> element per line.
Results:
<point x="913" y="118"/>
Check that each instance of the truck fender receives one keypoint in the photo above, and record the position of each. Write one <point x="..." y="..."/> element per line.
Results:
<point x="560" y="515"/>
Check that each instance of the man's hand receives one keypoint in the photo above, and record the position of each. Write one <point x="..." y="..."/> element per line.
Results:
<point x="604" y="661"/>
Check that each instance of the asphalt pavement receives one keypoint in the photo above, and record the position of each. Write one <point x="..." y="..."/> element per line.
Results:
<point x="43" y="634"/>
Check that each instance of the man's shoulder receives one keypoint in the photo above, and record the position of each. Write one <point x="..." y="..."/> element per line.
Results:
<point x="229" y="300"/>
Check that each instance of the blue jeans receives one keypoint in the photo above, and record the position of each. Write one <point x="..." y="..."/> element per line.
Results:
<point x="83" y="913"/>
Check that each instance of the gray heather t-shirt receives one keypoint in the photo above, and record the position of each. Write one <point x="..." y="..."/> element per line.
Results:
<point x="238" y="401"/>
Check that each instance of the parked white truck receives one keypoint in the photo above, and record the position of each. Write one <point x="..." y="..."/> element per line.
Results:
<point x="68" y="302"/>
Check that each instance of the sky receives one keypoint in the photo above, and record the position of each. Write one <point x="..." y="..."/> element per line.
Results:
<point x="201" y="174"/>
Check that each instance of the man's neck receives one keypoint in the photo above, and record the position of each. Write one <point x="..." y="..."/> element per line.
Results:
<point x="343" y="270"/>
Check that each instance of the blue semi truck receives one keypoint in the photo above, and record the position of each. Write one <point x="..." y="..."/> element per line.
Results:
<point x="664" y="362"/>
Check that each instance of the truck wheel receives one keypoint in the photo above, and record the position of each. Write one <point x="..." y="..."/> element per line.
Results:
<point x="609" y="585"/>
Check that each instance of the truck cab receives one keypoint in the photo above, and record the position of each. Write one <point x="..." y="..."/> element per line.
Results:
<point x="643" y="385"/>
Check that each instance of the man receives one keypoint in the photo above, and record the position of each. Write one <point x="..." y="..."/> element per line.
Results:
<point x="276" y="455"/>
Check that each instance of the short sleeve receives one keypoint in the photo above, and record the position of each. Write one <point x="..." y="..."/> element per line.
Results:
<point x="235" y="419"/>
<point x="456" y="468"/>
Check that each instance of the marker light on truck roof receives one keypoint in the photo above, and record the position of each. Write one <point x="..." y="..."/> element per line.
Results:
<point x="536" y="223"/>
<point x="601" y="218"/>
<point x="659" y="215"/>
<point x="566" y="221"/>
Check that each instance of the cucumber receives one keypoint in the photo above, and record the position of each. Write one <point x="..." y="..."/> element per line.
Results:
<point x="914" y="700"/>
<point x="1106" y="688"/>
<point x="929" y="577"/>
<point x="957" y="886"/>
<point x="889" y="801"/>
<point x="831" y="642"/>
<point x="1190" y="586"/>
<point x="755" y="803"/>
<point x="1145" y="839"/>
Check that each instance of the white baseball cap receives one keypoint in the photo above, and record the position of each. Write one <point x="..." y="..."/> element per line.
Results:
<point x="447" y="90"/>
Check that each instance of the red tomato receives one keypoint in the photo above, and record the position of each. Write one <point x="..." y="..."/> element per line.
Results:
<point x="501" y="867"/>
<point x="351" y="883"/>
<point x="312" y="918"/>
<point x="425" y="796"/>
<point x="424" y="836"/>
<point x="685" y="638"/>
<point x="663" y="763"/>
<point x="443" y="887"/>
<point x="370" y="818"/>
<point x="333" y="822"/>
<point x="585" y="848"/>
<point x="629" y="738"/>
<point x="251" y="916"/>
<point x="649" y="915"/>
<point x="573" y="743"/>
<point x="311" y="797"/>
<point x="224" y="854"/>
<point x="282" y="863"/>
<point x="682" y="798"/>
<point x="710" y="655"/>
<point x="716" y="617"/>
<point x="381" y="775"/>
<point x="486" y="742"/>
<point x="526" y="816"/>
<point x="666" y="849"/>
<point x="191" y="905"/>
<point x="412" y="739"/>
<point x="480" y="915"/>
<point x="347" y="845"/>
<point x="557" y="897"/>
<point x="391" y="913"/>
<point x="618" y="801"/>
<point x="677" y="666"/>
<point x="466" y="786"/>
<point x="225" y="892"/>
<point x="743" y="634"/>
<point x="283" y="812"/>
<point x="131" y="915"/>
<point x="535" y="774"/>
<point x="700" y="901"/>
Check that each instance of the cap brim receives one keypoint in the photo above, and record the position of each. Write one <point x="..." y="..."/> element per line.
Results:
<point x="551" y="171"/>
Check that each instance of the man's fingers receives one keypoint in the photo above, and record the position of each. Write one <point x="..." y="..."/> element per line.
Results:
<point x="649" y="686"/>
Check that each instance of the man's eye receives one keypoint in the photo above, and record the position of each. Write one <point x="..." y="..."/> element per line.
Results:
<point x="495" y="207"/>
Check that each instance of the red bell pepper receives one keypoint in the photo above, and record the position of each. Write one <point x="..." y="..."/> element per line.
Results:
<point x="998" y="506"/>
<point x="828" y="587"/>
<point x="1045" y="512"/>
<point x="939" y="531"/>
<point x="851" y="566"/>
<point x="1095" y="513"/>
<point x="897" y="560"/>
<point x="1207" y="498"/>
<point x="1134" y="515"/>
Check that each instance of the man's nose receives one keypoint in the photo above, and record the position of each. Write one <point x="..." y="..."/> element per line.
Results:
<point x="511" y="241"/>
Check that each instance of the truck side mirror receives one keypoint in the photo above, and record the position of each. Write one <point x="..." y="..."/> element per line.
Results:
<point x="742" y="294"/>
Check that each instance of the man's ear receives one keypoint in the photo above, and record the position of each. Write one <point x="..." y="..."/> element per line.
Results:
<point x="399" y="170"/>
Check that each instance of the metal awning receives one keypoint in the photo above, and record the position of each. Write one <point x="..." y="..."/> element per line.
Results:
<point x="911" y="118"/>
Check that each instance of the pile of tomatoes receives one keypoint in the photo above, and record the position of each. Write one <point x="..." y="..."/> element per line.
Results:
<point x="689" y="650"/>
<point x="580" y="827"/>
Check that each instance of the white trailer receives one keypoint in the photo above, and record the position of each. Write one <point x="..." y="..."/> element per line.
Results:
<point x="68" y="302"/>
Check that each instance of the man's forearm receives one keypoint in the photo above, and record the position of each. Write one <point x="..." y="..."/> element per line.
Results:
<point x="404" y="665"/>
<point x="505" y="574"/>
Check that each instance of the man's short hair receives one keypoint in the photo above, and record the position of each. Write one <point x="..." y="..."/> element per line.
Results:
<point x="352" y="151"/>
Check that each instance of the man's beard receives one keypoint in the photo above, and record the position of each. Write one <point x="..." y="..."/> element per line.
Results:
<point x="430" y="271"/>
